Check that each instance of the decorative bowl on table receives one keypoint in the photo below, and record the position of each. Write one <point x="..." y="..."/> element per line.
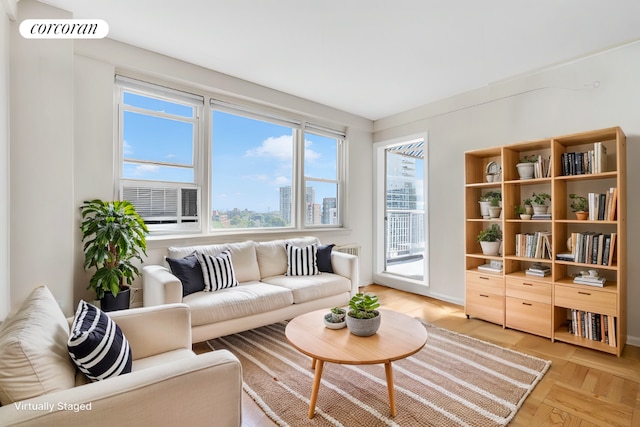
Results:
<point x="333" y="325"/>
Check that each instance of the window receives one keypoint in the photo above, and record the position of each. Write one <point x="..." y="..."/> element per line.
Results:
<point x="258" y="170"/>
<point x="159" y="144"/>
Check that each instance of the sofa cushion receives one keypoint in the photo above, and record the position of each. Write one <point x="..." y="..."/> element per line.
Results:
<point x="33" y="350"/>
<point x="97" y="345"/>
<point x="243" y="256"/>
<point x="243" y="300"/>
<point x="272" y="255"/>
<point x="217" y="271"/>
<point x="324" y="258"/>
<point x="309" y="288"/>
<point x="189" y="271"/>
<point x="302" y="261"/>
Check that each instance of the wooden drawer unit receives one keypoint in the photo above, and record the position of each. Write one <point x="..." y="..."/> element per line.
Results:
<point x="586" y="299"/>
<point x="529" y="316"/>
<point x="527" y="289"/>
<point x="485" y="297"/>
<point x="485" y="282"/>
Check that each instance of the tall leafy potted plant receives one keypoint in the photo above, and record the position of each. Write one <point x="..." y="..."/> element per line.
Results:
<point x="114" y="235"/>
<point x="490" y="240"/>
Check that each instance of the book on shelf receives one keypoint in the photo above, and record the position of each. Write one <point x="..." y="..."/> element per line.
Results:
<point x="591" y="248"/>
<point x="586" y="162"/>
<point x="546" y="216"/>
<point x="565" y="257"/>
<point x="490" y="268"/>
<point x="536" y="245"/>
<point x="591" y="281"/>
<point x="593" y="326"/>
<point x="537" y="273"/>
<point x="602" y="206"/>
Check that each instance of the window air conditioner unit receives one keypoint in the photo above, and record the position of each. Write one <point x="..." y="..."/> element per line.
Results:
<point x="164" y="205"/>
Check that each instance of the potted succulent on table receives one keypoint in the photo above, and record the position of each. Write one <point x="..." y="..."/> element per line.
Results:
<point x="539" y="203"/>
<point x="335" y="319"/>
<point x="490" y="240"/>
<point x="526" y="166"/>
<point x="114" y="235"/>
<point x="580" y="206"/>
<point x="363" y="318"/>
<point x="521" y="211"/>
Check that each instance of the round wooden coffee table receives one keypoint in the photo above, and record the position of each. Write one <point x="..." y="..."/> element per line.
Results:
<point x="399" y="336"/>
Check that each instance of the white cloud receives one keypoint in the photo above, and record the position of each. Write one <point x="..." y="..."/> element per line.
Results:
<point x="282" y="180"/>
<point x="127" y="148"/>
<point x="170" y="156"/>
<point x="146" y="169"/>
<point x="309" y="154"/>
<point x="276" y="147"/>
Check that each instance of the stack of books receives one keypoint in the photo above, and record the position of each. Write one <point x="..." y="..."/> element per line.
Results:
<point x="538" y="269"/>
<point x="544" y="217"/>
<point x="493" y="267"/>
<point x="590" y="280"/>
<point x="593" y="326"/>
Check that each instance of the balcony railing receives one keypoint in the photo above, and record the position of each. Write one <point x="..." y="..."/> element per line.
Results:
<point x="405" y="234"/>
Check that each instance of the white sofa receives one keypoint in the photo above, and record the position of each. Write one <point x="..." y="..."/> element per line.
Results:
<point x="265" y="293"/>
<point x="169" y="385"/>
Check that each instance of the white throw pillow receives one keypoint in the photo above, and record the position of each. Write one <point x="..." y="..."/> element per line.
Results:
<point x="33" y="350"/>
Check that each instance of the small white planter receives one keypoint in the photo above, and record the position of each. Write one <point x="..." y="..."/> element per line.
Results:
<point x="540" y="209"/>
<point x="494" y="211"/>
<point x="490" y="248"/>
<point x="525" y="170"/>
<point x="484" y="209"/>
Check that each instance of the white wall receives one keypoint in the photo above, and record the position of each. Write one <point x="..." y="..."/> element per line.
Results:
<point x="41" y="156"/>
<point x="62" y="151"/>
<point x="550" y="103"/>
<point x="5" y="293"/>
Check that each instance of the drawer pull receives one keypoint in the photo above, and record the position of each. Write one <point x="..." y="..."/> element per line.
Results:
<point x="484" y="278"/>
<point x="527" y="303"/>
<point x="584" y="293"/>
<point x="484" y="296"/>
<point x="527" y="284"/>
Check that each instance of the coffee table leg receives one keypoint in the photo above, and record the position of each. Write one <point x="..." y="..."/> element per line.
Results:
<point x="316" y="385"/>
<point x="392" y="398"/>
<point x="313" y="363"/>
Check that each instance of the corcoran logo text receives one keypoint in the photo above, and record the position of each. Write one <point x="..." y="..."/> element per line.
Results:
<point x="64" y="29"/>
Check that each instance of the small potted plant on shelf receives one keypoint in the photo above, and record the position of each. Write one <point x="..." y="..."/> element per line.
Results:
<point x="580" y="206"/>
<point x="539" y="203"/>
<point x="114" y="236"/>
<point x="494" y="204"/>
<point x="528" y="206"/>
<point x="485" y="202"/>
<point x="490" y="240"/>
<point x="335" y="319"/>
<point x="363" y="318"/>
<point x="521" y="211"/>
<point x="526" y="166"/>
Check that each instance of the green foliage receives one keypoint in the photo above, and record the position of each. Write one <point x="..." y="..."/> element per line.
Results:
<point x="114" y="235"/>
<point x="363" y="306"/>
<point x="492" y="234"/>
<point x="540" y="199"/>
<point x="579" y="203"/>
<point x="337" y="314"/>
<point x="529" y="159"/>
<point x="527" y="202"/>
<point x="519" y="209"/>
<point x="491" y="196"/>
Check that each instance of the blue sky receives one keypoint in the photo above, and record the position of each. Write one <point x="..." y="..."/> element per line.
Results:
<point x="251" y="159"/>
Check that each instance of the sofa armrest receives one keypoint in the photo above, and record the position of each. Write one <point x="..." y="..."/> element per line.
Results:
<point x="155" y="330"/>
<point x="347" y="265"/>
<point x="184" y="392"/>
<point x="160" y="286"/>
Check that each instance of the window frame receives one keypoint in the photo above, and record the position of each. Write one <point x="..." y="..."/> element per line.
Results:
<point x="202" y="155"/>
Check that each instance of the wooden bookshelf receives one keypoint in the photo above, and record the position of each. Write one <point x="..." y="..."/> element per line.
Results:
<point x="543" y="305"/>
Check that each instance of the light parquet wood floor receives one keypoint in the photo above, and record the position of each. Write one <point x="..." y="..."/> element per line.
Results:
<point x="583" y="388"/>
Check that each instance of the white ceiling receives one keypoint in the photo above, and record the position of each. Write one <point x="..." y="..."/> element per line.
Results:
<point x="373" y="58"/>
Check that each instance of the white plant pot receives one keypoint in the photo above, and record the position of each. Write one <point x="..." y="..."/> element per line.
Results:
<point x="490" y="248"/>
<point x="494" y="211"/>
<point x="540" y="209"/>
<point x="525" y="170"/>
<point x="484" y="209"/>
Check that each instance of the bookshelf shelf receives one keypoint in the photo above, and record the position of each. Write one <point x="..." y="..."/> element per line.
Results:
<point x="591" y="164"/>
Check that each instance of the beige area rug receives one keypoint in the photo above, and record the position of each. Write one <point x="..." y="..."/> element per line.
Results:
<point x="455" y="380"/>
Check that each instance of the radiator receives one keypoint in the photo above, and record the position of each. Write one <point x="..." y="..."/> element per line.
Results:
<point x="351" y="249"/>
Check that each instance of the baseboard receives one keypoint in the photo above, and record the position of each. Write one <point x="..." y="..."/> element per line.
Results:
<point x="634" y="341"/>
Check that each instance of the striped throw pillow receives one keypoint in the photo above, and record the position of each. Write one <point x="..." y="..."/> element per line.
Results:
<point x="217" y="271"/>
<point x="302" y="261"/>
<point x="97" y="345"/>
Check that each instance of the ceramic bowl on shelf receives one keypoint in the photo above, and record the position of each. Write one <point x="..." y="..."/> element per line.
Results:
<point x="332" y="325"/>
